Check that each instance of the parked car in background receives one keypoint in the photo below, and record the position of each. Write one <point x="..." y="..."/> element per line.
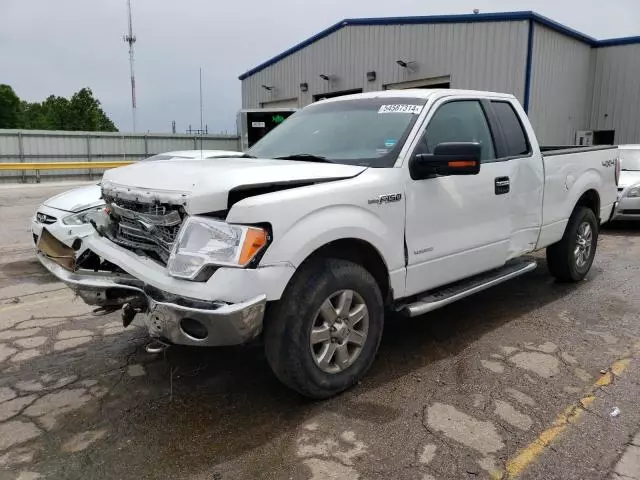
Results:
<point x="65" y="214"/>
<point x="406" y="200"/>
<point x="628" y="207"/>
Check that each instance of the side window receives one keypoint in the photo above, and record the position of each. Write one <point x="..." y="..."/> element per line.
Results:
<point x="514" y="134"/>
<point x="459" y="121"/>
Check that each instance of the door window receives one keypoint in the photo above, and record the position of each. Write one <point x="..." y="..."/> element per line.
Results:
<point x="459" y="121"/>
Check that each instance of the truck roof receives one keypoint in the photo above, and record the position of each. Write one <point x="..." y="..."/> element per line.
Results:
<point x="425" y="93"/>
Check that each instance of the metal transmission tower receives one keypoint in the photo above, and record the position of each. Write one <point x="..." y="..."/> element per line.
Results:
<point x="131" y="39"/>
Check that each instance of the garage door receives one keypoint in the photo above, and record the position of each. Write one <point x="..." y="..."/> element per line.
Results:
<point x="284" y="103"/>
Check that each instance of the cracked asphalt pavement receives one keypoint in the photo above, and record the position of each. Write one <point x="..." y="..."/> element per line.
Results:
<point x="518" y="381"/>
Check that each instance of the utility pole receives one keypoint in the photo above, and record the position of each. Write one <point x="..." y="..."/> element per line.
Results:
<point x="130" y="39"/>
<point x="201" y="106"/>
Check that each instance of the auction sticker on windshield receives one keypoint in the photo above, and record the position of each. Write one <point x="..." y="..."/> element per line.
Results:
<point x="415" y="109"/>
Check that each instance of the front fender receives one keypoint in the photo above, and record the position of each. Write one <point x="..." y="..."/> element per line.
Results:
<point x="339" y="222"/>
<point x="307" y="218"/>
<point x="332" y="223"/>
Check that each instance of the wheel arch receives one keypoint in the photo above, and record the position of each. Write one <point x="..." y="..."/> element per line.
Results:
<point x="358" y="251"/>
<point x="589" y="199"/>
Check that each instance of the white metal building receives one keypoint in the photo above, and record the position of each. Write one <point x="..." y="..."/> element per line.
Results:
<point x="567" y="81"/>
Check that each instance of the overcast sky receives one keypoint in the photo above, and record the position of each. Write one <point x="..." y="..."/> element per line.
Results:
<point x="57" y="47"/>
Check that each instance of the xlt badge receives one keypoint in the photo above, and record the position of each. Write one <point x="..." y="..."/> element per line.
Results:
<point x="391" y="198"/>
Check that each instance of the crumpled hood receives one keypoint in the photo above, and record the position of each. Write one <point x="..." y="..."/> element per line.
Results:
<point x="77" y="199"/>
<point x="204" y="185"/>
<point x="629" y="178"/>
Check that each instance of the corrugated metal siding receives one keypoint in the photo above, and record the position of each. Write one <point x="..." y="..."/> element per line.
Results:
<point x="616" y="92"/>
<point x="558" y="103"/>
<point x="44" y="146"/>
<point x="9" y="144"/>
<point x="484" y="56"/>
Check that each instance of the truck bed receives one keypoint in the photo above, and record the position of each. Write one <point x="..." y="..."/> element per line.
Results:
<point x="569" y="172"/>
<point x="550" y="150"/>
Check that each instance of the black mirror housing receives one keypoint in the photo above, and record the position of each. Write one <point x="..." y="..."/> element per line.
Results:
<point x="455" y="158"/>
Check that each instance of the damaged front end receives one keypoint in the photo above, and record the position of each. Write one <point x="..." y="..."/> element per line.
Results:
<point x="169" y="317"/>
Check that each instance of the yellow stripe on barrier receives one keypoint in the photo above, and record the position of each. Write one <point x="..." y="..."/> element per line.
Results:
<point x="61" y="165"/>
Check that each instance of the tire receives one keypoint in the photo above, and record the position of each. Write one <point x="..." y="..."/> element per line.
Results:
<point x="289" y="347"/>
<point x="564" y="263"/>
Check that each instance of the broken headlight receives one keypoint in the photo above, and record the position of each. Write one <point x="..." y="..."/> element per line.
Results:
<point x="81" y="217"/>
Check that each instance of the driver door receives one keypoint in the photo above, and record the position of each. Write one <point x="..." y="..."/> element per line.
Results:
<point x="458" y="225"/>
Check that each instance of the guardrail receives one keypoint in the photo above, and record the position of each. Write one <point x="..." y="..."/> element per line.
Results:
<point x="61" y="165"/>
<point x="37" y="166"/>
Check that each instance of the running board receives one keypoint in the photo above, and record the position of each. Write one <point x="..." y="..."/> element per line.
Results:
<point x="449" y="294"/>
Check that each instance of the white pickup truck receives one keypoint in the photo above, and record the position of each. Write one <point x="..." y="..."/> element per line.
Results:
<point x="396" y="200"/>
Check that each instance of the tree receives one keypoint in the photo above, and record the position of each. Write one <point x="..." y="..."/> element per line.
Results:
<point x="85" y="113"/>
<point x="33" y="116"/>
<point x="81" y="112"/>
<point x="57" y="114"/>
<point x="10" y="108"/>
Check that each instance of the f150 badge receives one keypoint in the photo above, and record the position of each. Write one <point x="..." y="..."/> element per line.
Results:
<point x="382" y="199"/>
<point x="608" y="163"/>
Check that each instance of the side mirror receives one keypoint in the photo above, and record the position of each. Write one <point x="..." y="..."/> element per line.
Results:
<point x="456" y="158"/>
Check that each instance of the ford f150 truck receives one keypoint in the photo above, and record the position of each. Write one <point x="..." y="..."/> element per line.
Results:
<point x="397" y="200"/>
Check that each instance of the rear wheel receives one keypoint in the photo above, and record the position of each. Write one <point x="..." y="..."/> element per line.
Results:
<point x="571" y="258"/>
<point x="323" y="335"/>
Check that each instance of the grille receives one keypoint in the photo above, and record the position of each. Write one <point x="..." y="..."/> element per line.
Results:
<point x="44" y="218"/>
<point x="144" y="208"/>
<point x="149" y="227"/>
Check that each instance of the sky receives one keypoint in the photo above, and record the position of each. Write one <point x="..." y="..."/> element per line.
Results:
<point x="58" y="47"/>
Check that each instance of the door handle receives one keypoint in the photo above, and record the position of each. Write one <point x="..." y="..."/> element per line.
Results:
<point x="502" y="185"/>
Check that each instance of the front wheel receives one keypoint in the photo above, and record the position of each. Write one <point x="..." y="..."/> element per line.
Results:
<point x="571" y="258"/>
<point x="323" y="335"/>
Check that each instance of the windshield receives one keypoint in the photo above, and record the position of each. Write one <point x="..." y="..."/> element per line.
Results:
<point x="364" y="131"/>
<point x="630" y="159"/>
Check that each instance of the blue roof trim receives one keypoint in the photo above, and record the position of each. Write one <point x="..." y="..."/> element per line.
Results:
<point x="528" y="68"/>
<point x="324" y="33"/>
<point x="614" y="42"/>
<point x="558" y="27"/>
<point x="464" y="18"/>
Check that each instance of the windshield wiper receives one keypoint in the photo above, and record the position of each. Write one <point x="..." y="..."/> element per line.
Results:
<point x="246" y="155"/>
<point x="307" y="157"/>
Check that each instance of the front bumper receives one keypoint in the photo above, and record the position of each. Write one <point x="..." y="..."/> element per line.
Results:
<point x="179" y="320"/>
<point x="627" y="209"/>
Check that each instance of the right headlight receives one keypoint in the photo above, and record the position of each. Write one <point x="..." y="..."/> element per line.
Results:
<point x="205" y="242"/>
<point x="633" y="192"/>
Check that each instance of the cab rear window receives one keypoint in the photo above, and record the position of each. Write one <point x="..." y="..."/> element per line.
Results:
<point x="515" y="137"/>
